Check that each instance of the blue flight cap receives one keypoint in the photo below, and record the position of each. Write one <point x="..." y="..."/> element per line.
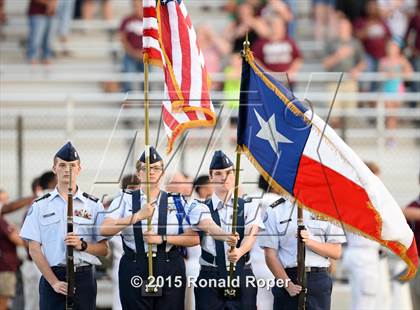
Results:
<point x="154" y="156"/>
<point x="67" y="152"/>
<point x="220" y="161"/>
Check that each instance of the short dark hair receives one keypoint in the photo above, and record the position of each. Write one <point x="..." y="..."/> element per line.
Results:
<point x="200" y="181"/>
<point x="47" y="180"/>
<point x="35" y="184"/>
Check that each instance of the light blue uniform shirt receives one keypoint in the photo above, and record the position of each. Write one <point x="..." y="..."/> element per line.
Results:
<point x="198" y="211"/>
<point x="46" y="223"/>
<point x="280" y="234"/>
<point x="122" y="207"/>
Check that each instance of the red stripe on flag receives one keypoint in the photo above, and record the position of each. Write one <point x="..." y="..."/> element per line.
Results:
<point x="168" y="119"/>
<point x="337" y="197"/>
<point x="149" y="12"/>
<point x="151" y="32"/>
<point x="166" y="32"/>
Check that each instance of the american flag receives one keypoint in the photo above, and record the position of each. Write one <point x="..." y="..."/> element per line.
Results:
<point x="169" y="40"/>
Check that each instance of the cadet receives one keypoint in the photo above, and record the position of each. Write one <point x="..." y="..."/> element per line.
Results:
<point x="128" y="214"/>
<point x="322" y="240"/>
<point x="45" y="227"/>
<point x="214" y="219"/>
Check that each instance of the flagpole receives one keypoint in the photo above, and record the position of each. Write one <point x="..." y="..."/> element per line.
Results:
<point x="231" y="291"/>
<point x="147" y="157"/>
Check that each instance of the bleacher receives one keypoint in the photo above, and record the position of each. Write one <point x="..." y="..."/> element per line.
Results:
<point x="67" y="100"/>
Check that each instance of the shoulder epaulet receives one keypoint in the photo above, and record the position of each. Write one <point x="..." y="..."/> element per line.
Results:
<point x="91" y="197"/>
<point x="43" y="197"/>
<point x="277" y="202"/>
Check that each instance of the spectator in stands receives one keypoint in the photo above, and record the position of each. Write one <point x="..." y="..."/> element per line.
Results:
<point x="353" y="10"/>
<point x="278" y="53"/>
<point x="88" y="9"/>
<point x="324" y="13"/>
<point x="131" y="36"/>
<point x="412" y="213"/>
<point x="279" y="7"/>
<point x="344" y="54"/>
<point x="41" y="30"/>
<point x="214" y="48"/>
<point x="374" y="34"/>
<point x="9" y="262"/>
<point x="232" y="86"/>
<point x="413" y="44"/>
<point x="246" y="21"/>
<point x="65" y="12"/>
<point x="395" y="66"/>
<point x="395" y="14"/>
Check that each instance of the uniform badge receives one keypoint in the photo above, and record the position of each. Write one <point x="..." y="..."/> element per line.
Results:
<point x="83" y="214"/>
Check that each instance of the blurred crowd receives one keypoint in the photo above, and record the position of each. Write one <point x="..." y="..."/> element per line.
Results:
<point x="351" y="37"/>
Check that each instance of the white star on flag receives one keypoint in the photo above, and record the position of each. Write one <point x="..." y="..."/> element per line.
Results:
<point x="269" y="132"/>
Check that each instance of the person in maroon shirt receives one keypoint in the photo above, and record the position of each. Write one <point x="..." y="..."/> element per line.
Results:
<point x="374" y="34"/>
<point x="9" y="262"/>
<point x="41" y="27"/>
<point x="131" y="36"/>
<point x="278" y="53"/>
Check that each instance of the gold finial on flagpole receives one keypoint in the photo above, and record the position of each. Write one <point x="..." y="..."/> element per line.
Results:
<point x="245" y="45"/>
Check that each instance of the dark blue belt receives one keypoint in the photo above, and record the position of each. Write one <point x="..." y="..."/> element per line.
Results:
<point x="308" y="269"/>
<point x="78" y="268"/>
<point x="214" y="269"/>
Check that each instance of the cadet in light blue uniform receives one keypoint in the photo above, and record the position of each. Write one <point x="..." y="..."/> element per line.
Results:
<point x="322" y="240"/>
<point x="213" y="219"/>
<point x="45" y="227"/>
<point x="170" y="232"/>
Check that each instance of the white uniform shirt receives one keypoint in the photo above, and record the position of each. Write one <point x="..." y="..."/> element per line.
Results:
<point x="198" y="211"/>
<point x="46" y="223"/>
<point x="280" y="234"/>
<point x="122" y="207"/>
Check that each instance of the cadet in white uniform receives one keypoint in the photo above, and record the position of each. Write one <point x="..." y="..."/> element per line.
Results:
<point x="361" y="262"/>
<point x="322" y="239"/>
<point x="170" y="232"/>
<point x="45" y="227"/>
<point x="213" y="219"/>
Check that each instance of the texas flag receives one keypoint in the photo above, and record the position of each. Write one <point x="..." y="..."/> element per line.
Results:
<point x="299" y="155"/>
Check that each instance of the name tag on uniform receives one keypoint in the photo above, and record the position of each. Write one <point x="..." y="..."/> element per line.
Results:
<point x="48" y="214"/>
